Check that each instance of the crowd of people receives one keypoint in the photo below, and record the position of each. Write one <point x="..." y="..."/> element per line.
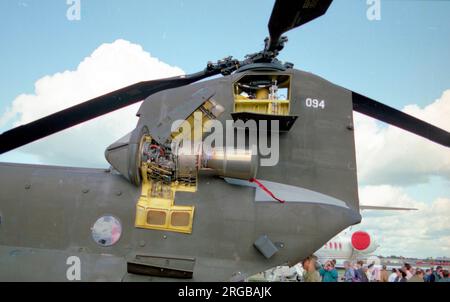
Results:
<point x="360" y="272"/>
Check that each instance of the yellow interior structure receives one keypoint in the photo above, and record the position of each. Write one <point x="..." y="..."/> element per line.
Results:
<point x="262" y="103"/>
<point x="155" y="209"/>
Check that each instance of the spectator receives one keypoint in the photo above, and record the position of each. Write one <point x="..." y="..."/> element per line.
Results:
<point x="418" y="276"/>
<point x="310" y="274"/>
<point x="437" y="273"/>
<point x="360" y="272"/>
<point x="408" y="270"/>
<point x="329" y="272"/>
<point x="373" y="273"/>
<point x="349" y="275"/>
<point x="384" y="274"/>
<point x="429" y="276"/>
<point x="366" y="272"/>
<point x="444" y="276"/>
<point x="393" y="275"/>
<point x="401" y="276"/>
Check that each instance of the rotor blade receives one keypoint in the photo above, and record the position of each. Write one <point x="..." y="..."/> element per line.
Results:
<point x="383" y="208"/>
<point x="88" y="110"/>
<point x="399" y="119"/>
<point x="287" y="15"/>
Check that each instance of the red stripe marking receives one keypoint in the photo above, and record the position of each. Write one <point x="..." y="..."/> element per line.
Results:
<point x="263" y="187"/>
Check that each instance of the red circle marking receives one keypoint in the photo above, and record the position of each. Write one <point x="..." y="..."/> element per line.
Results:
<point x="360" y="240"/>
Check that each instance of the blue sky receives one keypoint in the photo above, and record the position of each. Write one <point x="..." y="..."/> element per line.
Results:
<point x="402" y="59"/>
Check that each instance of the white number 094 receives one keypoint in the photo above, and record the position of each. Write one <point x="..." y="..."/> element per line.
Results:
<point x="315" y="103"/>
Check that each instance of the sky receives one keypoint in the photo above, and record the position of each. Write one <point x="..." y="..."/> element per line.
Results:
<point x="48" y="63"/>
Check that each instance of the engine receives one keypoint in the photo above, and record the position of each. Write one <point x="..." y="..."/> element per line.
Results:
<point x="165" y="160"/>
<point x="182" y="165"/>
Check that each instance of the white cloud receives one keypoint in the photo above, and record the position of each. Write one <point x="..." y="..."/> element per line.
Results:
<point x="388" y="155"/>
<point x="109" y="67"/>
<point x="421" y="233"/>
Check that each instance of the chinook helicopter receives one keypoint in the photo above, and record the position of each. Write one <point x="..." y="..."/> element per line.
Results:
<point x="162" y="213"/>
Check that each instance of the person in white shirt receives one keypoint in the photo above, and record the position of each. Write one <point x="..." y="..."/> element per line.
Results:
<point x="373" y="273"/>
<point x="392" y="276"/>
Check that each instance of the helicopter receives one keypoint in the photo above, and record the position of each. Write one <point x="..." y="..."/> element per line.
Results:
<point x="164" y="211"/>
